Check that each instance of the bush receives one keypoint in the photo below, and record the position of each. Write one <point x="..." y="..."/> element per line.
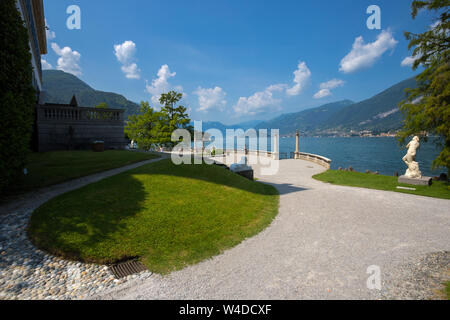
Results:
<point x="17" y="96"/>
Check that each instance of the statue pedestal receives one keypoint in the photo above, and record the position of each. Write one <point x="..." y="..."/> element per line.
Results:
<point x="424" y="181"/>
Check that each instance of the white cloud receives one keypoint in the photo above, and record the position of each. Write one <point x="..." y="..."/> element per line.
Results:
<point x="49" y="33"/>
<point x="322" y="93"/>
<point x="259" y="102"/>
<point x="125" y="52"/>
<point x="277" y="87"/>
<point x="68" y="59"/>
<point x="125" y="55"/>
<point x="46" y="65"/>
<point x="325" y="88"/>
<point x="210" y="98"/>
<point x="131" y="71"/>
<point x="364" y="55"/>
<point x="408" y="62"/>
<point x="161" y="84"/>
<point x="334" y="83"/>
<point x="302" y="75"/>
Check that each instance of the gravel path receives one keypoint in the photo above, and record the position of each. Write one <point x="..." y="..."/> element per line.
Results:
<point x="29" y="273"/>
<point x="320" y="246"/>
<point x="420" y="280"/>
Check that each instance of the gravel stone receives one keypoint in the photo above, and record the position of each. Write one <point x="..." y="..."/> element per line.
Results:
<point x="27" y="272"/>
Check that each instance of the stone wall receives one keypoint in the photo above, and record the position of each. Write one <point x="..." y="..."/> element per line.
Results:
<point x="324" y="162"/>
<point x="63" y="127"/>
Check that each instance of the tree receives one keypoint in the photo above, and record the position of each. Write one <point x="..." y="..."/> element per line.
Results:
<point x="145" y="128"/>
<point x="154" y="128"/>
<point x="17" y="95"/>
<point x="176" y="117"/>
<point x="426" y="108"/>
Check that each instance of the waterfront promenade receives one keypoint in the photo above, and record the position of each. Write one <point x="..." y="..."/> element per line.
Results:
<point x="320" y="246"/>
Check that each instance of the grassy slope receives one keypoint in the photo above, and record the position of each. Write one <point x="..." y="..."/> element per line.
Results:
<point x="447" y="290"/>
<point x="45" y="169"/>
<point x="380" y="182"/>
<point x="169" y="216"/>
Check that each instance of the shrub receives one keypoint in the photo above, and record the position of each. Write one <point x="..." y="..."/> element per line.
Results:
<point x="17" y="96"/>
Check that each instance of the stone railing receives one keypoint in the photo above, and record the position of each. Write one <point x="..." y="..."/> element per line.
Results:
<point x="64" y="113"/>
<point x="268" y="154"/>
<point x="324" y="162"/>
<point x="63" y="127"/>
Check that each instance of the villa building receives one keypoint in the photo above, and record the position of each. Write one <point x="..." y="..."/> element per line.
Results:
<point x="64" y="126"/>
<point x="32" y="12"/>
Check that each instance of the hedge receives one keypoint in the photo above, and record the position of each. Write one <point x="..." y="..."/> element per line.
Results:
<point x="17" y="95"/>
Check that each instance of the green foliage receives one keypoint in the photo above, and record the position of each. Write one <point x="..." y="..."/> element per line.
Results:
<point x="174" y="117"/>
<point x="427" y="107"/>
<point x="145" y="128"/>
<point x="102" y="105"/>
<point x="154" y="128"/>
<point x="17" y="95"/>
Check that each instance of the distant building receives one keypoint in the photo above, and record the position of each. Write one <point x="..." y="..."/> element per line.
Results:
<point x="32" y="12"/>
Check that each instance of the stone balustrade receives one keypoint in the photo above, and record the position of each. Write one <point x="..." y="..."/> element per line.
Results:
<point x="320" y="160"/>
<point x="64" y="127"/>
<point x="65" y="113"/>
<point x="324" y="162"/>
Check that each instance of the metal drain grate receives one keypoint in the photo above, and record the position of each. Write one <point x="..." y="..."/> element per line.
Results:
<point x="121" y="270"/>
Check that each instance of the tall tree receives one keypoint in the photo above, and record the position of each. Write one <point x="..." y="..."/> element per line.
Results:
<point x="145" y="128"/>
<point x="17" y="96"/>
<point x="154" y="128"/>
<point x="176" y="116"/>
<point x="427" y="108"/>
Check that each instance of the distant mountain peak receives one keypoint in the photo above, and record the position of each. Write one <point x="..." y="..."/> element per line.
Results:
<point x="60" y="87"/>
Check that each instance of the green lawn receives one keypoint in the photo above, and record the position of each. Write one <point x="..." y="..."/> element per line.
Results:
<point x="447" y="290"/>
<point x="356" y="179"/>
<point x="169" y="216"/>
<point x="45" y="169"/>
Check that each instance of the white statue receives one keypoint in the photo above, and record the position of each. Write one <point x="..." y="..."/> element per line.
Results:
<point x="410" y="159"/>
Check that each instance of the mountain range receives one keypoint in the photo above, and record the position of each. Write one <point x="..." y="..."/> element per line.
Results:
<point x="379" y="113"/>
<point x="60" y="86"/>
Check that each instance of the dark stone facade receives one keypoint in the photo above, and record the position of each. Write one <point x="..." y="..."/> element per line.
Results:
<point x="67" y="127"/>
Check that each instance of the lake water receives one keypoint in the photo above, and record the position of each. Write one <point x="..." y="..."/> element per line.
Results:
<point x="375" y="154"/>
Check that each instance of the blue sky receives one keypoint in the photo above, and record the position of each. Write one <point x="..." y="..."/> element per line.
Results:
<point x="234" y="60"/>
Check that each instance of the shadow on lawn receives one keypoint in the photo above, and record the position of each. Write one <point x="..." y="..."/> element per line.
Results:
<point x="81" y="220"/>
<point x="92" y="225"/>
<point x="217" y="175"/>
